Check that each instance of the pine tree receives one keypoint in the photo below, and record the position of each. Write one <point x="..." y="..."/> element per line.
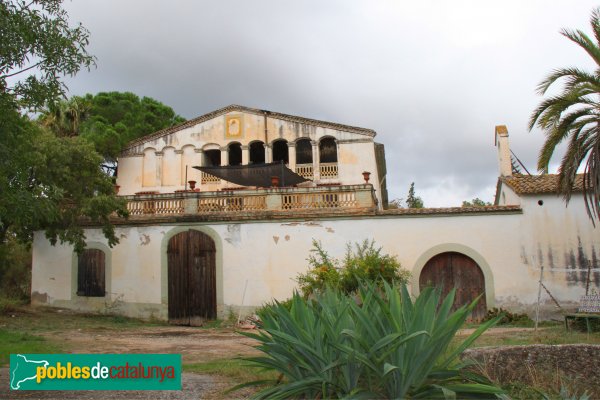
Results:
<point x="413" y="201"/>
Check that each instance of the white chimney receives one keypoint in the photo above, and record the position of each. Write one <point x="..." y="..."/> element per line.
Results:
<point x="501" y="142"/>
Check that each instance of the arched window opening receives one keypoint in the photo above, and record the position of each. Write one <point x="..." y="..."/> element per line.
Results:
<point x="280" y="151"/>
<point x="304" y="152"/>
<point x="91" y="277"/>
<point x="235" y="154"/>
<point x="327" y="151"/>
<point x="212" y="158"/>
<point x="257" y="153"/>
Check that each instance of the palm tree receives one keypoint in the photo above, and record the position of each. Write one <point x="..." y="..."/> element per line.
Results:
<point x="65" y="117"/>
<point x="574" y="115"/>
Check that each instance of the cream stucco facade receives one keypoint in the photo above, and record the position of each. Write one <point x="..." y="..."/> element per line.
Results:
<point x="162" y="161"/>
<point x="259" y="253"/>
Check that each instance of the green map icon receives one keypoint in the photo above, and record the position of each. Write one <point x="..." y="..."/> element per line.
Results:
<point x="23" y="369"/>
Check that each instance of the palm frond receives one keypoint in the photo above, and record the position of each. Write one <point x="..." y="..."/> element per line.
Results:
<point x="595" y="23"/>
<point x="591" y="183"/>
<point x="574" y="115"/>
<point x="584" y="42"/>
<point x="575" y="77"/>
<point x="570" y="124"/>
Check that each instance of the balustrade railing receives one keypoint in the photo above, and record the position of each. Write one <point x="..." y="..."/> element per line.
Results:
<point x="328" y="170"/>
<point x="209" y="205"/>
<point x="305" y="171"/>
<point x="275" y="199"/>
<point x="208" y="178"/>
<point x="319" y="200"/>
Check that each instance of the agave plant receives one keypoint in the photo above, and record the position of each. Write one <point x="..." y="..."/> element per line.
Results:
<point x="377" y="344"/>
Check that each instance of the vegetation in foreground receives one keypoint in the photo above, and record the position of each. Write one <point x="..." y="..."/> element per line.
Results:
<point x="362" y="262"/>
<point x="374" y="344"/>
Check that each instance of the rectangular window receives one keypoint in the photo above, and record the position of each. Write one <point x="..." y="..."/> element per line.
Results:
<point x="90" y="273"/>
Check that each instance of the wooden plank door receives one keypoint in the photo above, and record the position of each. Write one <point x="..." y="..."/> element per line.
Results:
<point x="202" y="280"/>
<point x="191" y="278"/>
<point x="455" y="270"/>
<point x="91" y="276"/>
<point x="178" y="283"/>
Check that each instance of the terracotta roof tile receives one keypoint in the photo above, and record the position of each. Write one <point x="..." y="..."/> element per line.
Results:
<point x="450" y="210"/>
<point x="536" y="184"/>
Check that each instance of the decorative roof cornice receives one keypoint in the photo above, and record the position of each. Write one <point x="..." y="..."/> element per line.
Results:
<point x="238" y="108"/>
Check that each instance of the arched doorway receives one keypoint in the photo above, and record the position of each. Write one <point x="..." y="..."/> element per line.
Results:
<point x="455" y="270"/>
<point x="192" y="287"/>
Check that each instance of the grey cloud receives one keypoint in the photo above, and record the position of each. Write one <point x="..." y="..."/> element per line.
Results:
<point x="433" y="78"/>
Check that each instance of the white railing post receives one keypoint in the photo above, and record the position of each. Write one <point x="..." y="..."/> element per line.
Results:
<point x="190" y="205"/>
<point x="274" y="200"/>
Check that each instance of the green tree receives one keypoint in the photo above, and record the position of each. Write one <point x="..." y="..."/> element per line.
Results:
<point x="476" y="202"/>
<point x="51" y="183"/>
<point x="109" y="120"/>
<point x="412" y="200"/>
<point x="574" y="115"/>
<point x="64" y="118"/>
<point x="47" y="182"/>
<point x="38" y="49"/>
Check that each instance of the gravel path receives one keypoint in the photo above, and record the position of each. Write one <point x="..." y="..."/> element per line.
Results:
<point x="195" y="386"/>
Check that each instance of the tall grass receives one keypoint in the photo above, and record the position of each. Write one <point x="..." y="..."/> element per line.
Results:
<point x="377" y="344"/>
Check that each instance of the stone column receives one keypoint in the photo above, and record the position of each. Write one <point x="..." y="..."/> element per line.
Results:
<point x="268" y="154"/>
<point x="190" y="205"/>
<point x="159" y="156"/>
<point x="245" y="154"/>
<point x="199" y="159"/>
<point x="315" y="153"/>
<point x="273" y="200"/>
<point x="224" y="156"/>
<point x="292" y="156"/>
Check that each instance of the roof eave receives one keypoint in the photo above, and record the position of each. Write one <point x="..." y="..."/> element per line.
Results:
<point x="235" y="107"/>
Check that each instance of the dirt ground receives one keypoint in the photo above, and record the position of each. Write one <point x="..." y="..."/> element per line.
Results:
<point x="195" y="345"/>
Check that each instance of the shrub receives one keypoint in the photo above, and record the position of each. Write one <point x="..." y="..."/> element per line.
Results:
<point x="329" y="346"/>
<point x="364" y="262"/>
<point x="15" y="269"/>
<point x="507" y="318"/>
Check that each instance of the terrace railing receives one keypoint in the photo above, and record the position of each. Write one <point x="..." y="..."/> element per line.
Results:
<point x="347" y="197"/>
<point x="328" y="170"/>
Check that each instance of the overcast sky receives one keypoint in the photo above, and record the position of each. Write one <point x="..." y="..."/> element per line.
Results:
<point x="433" y="78"/>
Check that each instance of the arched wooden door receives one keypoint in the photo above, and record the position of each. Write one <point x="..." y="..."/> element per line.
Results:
<point x="455" y="270"/>
<point x="192" y="278"/>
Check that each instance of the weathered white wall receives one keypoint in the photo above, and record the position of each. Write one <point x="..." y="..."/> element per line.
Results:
<point x="159" y="164"/>
<point x="269" y="255"/>
<point x="563" y="240"/>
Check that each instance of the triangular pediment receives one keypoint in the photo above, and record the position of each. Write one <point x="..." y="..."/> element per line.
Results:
<point x="247" y="110"/>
